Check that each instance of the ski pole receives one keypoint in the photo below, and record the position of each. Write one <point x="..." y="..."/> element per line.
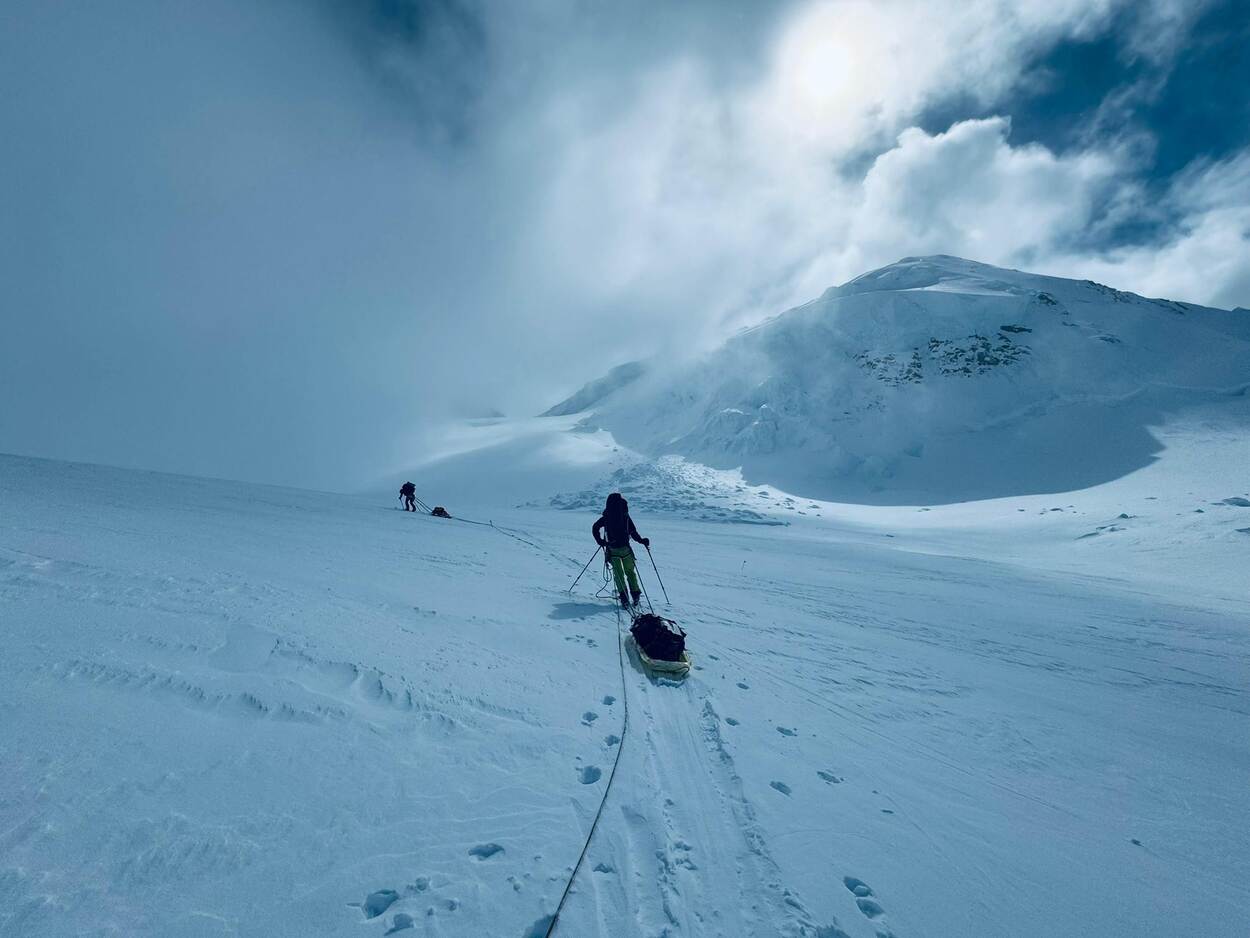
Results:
<point x="587" y="567"/>
<point x="657" y="575"/>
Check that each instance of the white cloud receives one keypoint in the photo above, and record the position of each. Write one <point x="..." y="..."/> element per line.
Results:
<point x="969" y="192"/>
<point x="1204" y="258"/>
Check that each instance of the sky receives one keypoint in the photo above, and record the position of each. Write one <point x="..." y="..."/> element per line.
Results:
<point x="285" y="241"/>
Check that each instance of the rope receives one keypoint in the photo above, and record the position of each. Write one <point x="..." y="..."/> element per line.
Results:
<point x="620" y="654"/>
<point x="568" y="887"/>
<point x="516" y="537"/>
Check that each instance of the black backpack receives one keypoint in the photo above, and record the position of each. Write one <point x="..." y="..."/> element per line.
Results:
<point x="653" y="635"/>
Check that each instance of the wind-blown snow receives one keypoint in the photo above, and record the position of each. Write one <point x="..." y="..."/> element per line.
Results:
<point x="619" y="377"/>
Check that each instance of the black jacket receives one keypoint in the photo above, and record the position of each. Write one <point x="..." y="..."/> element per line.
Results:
<point x="618" y="528"/>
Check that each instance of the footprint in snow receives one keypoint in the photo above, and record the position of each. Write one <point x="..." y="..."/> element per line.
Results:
<point x="400" y="922"/>
<point x="589" y="774"/>
<point x="611" y="739"/>
<point x="608" y="700"/>
<point x="867" y="903"/>
<point x="829" y="777"/>
<point x="744" y="686"/>
<point x="378" y="902"/>
<point x="482" y="851"/>
<point x="589" y="717"/>
<point x="731" y="721"/>
<point x="780" y="786"/>
<point x="786" y="731"/>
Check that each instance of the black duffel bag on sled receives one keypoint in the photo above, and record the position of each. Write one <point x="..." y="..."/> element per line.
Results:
<point x="661" y="643"/>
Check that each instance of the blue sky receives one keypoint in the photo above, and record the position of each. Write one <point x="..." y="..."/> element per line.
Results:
<point x="285" y="240"/>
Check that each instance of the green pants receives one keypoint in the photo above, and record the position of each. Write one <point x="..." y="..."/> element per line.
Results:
<point x="622" y="561"/>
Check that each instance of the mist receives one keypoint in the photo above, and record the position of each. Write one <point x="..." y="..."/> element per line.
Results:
<point x="285" y="242"/>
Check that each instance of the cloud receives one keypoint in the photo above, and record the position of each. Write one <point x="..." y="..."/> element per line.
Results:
<point x="847" y="75"/>
<point x="695" y="202"/>
<point x="1203" y="257"/>
<point x="287" y="261"/>
<point x="968" y="191"/>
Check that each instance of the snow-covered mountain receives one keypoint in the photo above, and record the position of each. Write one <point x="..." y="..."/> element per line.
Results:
<point x="933" y="379"/>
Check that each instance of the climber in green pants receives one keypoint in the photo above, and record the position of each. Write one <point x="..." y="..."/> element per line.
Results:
<point x="618" y="530"/>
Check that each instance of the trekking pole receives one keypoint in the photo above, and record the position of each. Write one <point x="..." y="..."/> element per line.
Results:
<point x="646" y="596"/>
<point x="587" y="567"/>
<point x="657" y="575"/>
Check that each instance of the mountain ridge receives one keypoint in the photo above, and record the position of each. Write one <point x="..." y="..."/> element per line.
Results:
<point x="879" y="388"/>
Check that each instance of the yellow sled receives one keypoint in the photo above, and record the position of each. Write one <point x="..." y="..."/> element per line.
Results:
<point x="677" y="669"/>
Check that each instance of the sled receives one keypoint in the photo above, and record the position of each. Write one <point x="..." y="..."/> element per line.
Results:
<point x="678" y="668"/>
<point x="661" y="639"/>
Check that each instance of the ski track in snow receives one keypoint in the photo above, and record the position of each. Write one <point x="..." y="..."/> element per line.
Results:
<point x="671" y="860"/>
<point x="233" y="711"/>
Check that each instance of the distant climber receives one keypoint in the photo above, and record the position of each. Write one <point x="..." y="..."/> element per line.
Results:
<point x="618" y="529"/>
<point x="408" y="492"/>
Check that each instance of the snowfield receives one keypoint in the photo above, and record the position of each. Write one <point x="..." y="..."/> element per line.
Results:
<point x="970" y="630"/>
<point x="234" y="710"/>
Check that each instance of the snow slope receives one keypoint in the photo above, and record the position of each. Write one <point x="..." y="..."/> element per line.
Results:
<point x="236" y="710"/>
<point x="935" y="380"/>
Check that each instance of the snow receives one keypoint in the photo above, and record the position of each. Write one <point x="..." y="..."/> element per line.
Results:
<point x="937" y="380"/>
<point x="235" y="710"/>
<point x="229" y="709"/>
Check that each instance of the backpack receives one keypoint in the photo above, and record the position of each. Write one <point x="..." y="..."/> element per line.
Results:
<point x="653" y="635"/>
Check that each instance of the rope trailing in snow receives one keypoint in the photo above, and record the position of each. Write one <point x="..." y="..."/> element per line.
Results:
<point x="568" y="887"/>
<point x="506" y="532"/>
<point x="620" y="655"/>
